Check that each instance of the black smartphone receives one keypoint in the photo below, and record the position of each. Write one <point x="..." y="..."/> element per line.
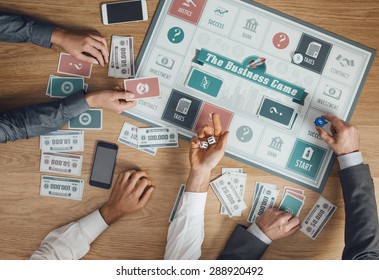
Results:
<point x="103" y="165"/>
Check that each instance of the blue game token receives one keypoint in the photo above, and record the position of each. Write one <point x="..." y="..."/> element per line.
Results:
<point x="320" y="121"/>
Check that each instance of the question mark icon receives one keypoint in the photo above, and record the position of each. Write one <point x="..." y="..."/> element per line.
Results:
<point x="244" y="134"/>
<point x="281" y="40"/>
<point x="78" y="66"/>
<point x="273" y="110"/>
<point x="175" y="35"/>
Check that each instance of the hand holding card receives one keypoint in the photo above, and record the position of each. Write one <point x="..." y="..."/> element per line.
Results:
<point x="112" y="100"/>
<point x="143" y="88"/>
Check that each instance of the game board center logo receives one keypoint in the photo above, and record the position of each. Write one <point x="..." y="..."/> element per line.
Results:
<point x="85" y="119"/>
<point x="67" y="87"/>
<point x="142" y="88"/>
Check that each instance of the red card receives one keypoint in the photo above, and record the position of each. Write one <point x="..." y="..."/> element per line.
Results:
<point x="143" y="87"/>
<point x="74" y="67"/>
<point x="205" y="116"/>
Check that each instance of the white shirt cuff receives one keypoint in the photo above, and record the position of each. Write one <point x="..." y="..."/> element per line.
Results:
<point x="256" y="231"/>
<point x="93" y="225"/>
<point x="350" y="160"/>
<point x="194" y="203"/>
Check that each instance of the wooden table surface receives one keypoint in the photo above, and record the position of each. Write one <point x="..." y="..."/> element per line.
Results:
<point x="26" y="217"/>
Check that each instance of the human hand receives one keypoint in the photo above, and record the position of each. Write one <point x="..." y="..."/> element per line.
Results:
<point x="344" y="139"/>
<point x="277" y="224"/>
<point x="204" y="160"/>
<point x="116" y="100"/>
<point x="78" y="45"/>
<point x="130" y="194"/>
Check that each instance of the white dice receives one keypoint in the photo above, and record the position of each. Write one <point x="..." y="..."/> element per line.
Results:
<point x="203" y="145"/>
<point x="212" y="140"/>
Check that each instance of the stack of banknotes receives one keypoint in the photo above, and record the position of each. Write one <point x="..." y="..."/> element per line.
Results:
<point x="55" y="158"/>
<point x="149" y="139"/>
<point x="229" y="189"/>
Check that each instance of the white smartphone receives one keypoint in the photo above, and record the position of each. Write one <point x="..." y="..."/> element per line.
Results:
<point x="125" y="11"/>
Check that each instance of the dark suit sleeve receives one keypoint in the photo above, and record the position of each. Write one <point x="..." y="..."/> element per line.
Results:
<point x="36" y="120"/>
<point x="361" y="214"/>
<point x="21" y="29"/>
<point x="242" y="245"/>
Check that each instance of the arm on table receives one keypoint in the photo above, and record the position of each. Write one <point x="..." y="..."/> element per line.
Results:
<point x="36" y="120"/>
<point x="22" y="29"/>
<point x="186" y="232"/>
<point x="361" y="214"/>
<point x="130" y="194"/>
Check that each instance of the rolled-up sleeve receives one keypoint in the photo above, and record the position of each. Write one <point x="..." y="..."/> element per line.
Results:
<point x="22" y="29"/>
<point x="36" y="120"/>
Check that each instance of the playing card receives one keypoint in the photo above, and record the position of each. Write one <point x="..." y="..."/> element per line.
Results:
<point x="62" y="87"/>
<point x="143" y="87"/>
<point x="291" y="204"/>
<point x="71" y="66"/>
<point x="89" y="120"/>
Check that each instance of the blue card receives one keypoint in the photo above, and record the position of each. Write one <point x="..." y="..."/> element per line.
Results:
<point x="291" y="204"/>
<point x="90" y="120"/>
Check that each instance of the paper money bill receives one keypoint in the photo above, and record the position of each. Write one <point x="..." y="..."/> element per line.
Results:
<point x="121" y="64"/>
<point x="265" y="197"/>
<point x="317" y="218"/>
<point x="61" y="163"/>
<point x="178" y="199"/>
<point x="227" y="195"/>
<point x="157" y="137"/>
<point x="62" y="141"/>
<point x="69" y="188"/>
<point x="238" y="181"/>
<point x="128" y="136"/>
<point x="231" y="170"/>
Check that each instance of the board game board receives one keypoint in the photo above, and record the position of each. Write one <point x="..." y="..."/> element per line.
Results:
<point x="267" y="74"/>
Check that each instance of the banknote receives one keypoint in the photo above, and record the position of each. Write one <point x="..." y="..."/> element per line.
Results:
<point x="157" y="137"/>
<point x="62" y="141"/>
<point x="129" y="136"/>
<point x="231" y="170"/>
<point x="61" y="163"/>
<point x="177" y="203"/>
<point x="227" y="195"/>
<point x="264" y="198"/>
<point x="69" y="188"/>
<point x="317" y="218"/>
<point x="238" y="181"/>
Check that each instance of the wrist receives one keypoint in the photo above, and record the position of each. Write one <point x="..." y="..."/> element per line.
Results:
<point x="91" y="100"/>
<point x="108" y="214"/>
<point x="198" y="180"/>
<point x="57" y="36"/>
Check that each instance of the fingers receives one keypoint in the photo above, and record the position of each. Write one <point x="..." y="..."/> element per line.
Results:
<point x="205" y="131"/>
<point x="223" y="140"/>
<point x="99" y="46"/>
<point x="136" y="177"/>
<point x="103" y="48"/>
<point x="85" y="58"/>
<point x="336" y="122"/>
<point x="95" y="53"/>
<point x="146" y="196"/>
<point x="123" y="95"/>
<point x="325" y="136"/>
<point x="216" y="124"/>
<point x="195" y="142"/>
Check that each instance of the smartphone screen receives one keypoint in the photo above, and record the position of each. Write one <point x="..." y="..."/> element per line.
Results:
<point x="103" y="165"/>
<point x="124" y="11"/>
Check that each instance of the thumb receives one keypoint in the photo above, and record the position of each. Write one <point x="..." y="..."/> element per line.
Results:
<point x="325" y="136"/>
<point x="123" y="95"/>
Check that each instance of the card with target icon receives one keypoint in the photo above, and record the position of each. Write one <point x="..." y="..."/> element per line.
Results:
<point x="71" y="66"/>
<point x="62" y="87"/>
<point x="89" y="120"/>
<point x="143" y="87"/>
